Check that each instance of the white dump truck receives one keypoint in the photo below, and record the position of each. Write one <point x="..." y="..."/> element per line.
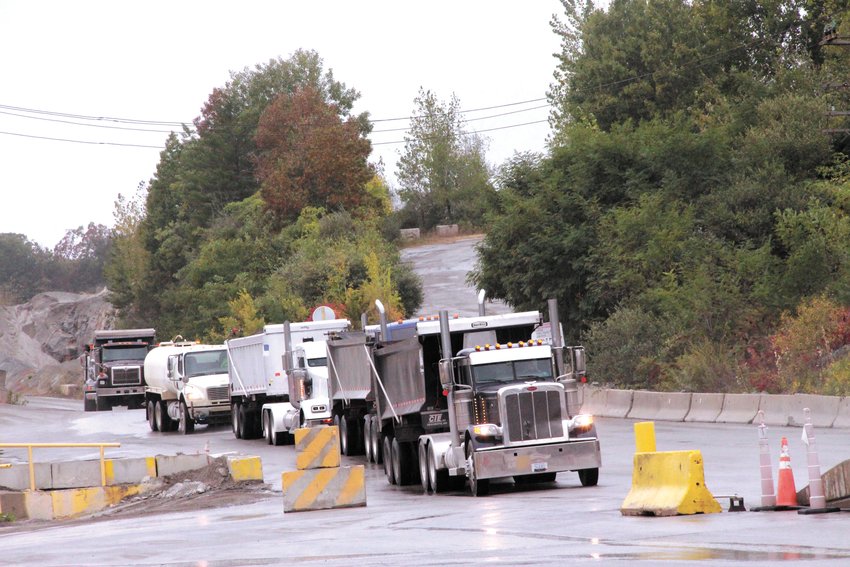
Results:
<point x="187" y="384"/>
<point x="279" y="379"/>
<point x="465" y="399"/>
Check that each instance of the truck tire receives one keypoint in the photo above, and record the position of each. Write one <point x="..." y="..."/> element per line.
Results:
<point x="377" y="448"/>
<point x="159" y="417"/>
<point x="185" y="425"/>
<point x="424" y="478"/>
<point x="349" y="437"/>
<point x="477" y="486"/>
<point x="367" y="439"/>
<point x="268" y="434"/>
<point x="151" y="418"/>
<point x="589" y="477"/>
<point x="234" y="420"/>
<point x="89" y="405"/>
<point x="438" y="478"/>
<point x="409" y="459"/>
<point x="388" y="459"/>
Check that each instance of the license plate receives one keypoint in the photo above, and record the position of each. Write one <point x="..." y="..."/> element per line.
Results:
<point x="539" y="467"/>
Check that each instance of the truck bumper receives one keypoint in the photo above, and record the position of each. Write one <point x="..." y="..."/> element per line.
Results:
<point x="555" y="457"/>
<point x="121" y="391"/>
<point x="211" y="414"/>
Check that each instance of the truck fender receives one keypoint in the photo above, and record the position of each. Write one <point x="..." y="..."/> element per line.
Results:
<point x="441" y="444"/>
<point x="284" y="416"/>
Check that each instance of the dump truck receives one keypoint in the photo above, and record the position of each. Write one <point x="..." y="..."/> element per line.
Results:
<point x="113" y="372"/>
<point x="187" y="385"/>
<point x="445" y="420"/>
<point x="279" y="379"/>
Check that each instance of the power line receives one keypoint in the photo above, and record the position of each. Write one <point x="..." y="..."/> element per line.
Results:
<point x="86" y="125"/>
<point x="474" y="119"/>
<point x="472" y="133"/>
<point x="88" y="117"/>
<point x="81" y="141"/>
<point x="463" y="111"/>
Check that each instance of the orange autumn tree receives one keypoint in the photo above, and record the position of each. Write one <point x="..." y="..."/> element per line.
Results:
<point x="311" y="155"/>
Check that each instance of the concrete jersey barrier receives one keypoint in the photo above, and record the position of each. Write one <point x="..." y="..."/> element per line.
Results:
<point x="618" y="403"/>
<point x="739" y="408"/>
<point x="705" y="407"/>
<point x="823" y="410"/>
<point x="662" y="406"/>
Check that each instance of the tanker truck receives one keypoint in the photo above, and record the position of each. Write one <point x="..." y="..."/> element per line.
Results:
<point x="279" y="380"/>
<point x="112" y="368"/>
<point x="187" y="384"/>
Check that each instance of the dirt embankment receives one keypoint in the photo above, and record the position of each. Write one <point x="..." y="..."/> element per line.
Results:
<point x="40" y="340"/>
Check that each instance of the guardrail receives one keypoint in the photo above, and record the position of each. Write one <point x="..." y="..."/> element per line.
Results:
<point x="30" y="446"/>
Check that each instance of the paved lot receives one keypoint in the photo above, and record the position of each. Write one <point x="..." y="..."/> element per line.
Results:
<point x="556" y="524"/>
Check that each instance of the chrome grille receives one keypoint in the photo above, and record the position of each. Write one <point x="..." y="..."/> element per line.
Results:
<point x="218" y="393"/>
<point x="131" y="376"/>
<point x="533" y="415"/>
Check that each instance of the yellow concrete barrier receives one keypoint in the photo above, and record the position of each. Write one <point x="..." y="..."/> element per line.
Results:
<point x="244" y="469"/>
<point x="319" y="489"/>
<point x="668" y="483"/>
<point x="317" y="447"/>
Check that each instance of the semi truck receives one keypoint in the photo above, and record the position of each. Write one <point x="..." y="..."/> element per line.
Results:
<point x="469" y="399"/>
<point x="187" y="384"/>
<point x="113" y="372"/>
<point x="279" y="379"/>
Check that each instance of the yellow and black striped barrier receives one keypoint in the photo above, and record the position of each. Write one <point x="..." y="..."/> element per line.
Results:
<point x="320" y="482"/>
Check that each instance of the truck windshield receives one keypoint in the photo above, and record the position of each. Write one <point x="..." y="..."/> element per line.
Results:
<point x="205" y="363"/>
<point x="116" y="353"/>
<point x="316" y="362"/>
<point x="513" y="371"/>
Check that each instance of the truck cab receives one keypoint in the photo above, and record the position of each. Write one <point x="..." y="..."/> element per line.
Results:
<point x="188" y="384"/>
<point x="113" y="371"/>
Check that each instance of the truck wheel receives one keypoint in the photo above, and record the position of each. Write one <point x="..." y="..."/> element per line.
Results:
<point x="589" y="477"/>
<point x="89" y="405"/>
<point x="185" y="425"/>
<point x="267" y="428"/>
<point x="151" y="418"/>
<point x="159" y="422"/>
<point x="388" y="459"/>
<point x="377" y="449"/>
<point x="344" y="445"/>
<point x="349" y="437"/>
<point x="404" y="467"/>
<point x="103" y="404"/>
<point x="477" y="486"/>
<point x="234" y="420"/>
<point x="424" y="479"/>
<point x="437" y="478"/>
<point x="367" y="439"/>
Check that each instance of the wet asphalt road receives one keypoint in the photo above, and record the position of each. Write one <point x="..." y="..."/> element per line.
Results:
<point x="561" y="523"/>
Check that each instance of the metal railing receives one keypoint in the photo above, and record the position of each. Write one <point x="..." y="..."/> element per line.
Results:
<point x="30" y="446"/>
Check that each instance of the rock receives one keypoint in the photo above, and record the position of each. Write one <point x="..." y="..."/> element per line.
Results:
<point x="40" y="340"/>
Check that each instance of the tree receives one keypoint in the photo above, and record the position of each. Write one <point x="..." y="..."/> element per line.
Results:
<point x="442" y="173"/>
<point x="22" y="268"/>
<point x="80" y="258"/>
<point x="309" y="156"/>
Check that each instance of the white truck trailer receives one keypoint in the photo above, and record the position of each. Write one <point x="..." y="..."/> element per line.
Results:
<point x="187" y="384"/>
<point x="279" y="379"/>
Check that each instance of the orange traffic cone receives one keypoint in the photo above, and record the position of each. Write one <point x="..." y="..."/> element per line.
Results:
<point x="786" y="493"/>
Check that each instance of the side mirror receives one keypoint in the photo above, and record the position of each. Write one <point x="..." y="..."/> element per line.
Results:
<point x="446" y="374"/>
<point x="580" y="364"/>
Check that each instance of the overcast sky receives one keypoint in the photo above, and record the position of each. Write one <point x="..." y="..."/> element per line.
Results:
<point x="159" y="60"/>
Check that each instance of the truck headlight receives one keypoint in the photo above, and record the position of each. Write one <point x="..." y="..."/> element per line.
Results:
<point x="487" y="431"/>
<point x="193" y="393"/>
<point x="581" y="422"/>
